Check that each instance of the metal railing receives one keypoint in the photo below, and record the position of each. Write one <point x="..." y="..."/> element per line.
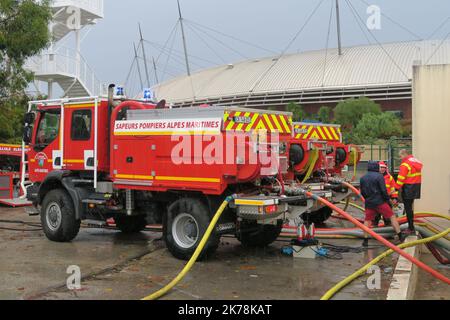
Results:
<point x="395" y="145"/>
<point x="375" y="152"/>
<point x="387" y="153"/>
<point x="66" y="61"/>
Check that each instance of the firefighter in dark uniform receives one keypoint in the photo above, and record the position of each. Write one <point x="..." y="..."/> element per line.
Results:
<point x="373" y="189"/>
<point x="392" y="191"/>
<point x="409" y="181"/>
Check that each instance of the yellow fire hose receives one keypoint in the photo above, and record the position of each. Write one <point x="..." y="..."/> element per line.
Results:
<point x="347" y="203"/>
<point x="434" y="230"/>
<point x="434" y="214"/>
<point x="311" y="164"/>
<point x="191" y="262"/>
<point x="352" y="205"/>
<point x="330" y="293"/>
<point x="354" y="158"/>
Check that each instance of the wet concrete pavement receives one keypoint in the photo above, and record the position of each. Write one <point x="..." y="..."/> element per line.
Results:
<point x="115" y="266"/>
<point x="234" y="273"/>
<point x="30" y="264"/>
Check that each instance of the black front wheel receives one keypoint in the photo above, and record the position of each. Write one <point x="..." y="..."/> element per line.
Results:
<point x="58" y="216"/>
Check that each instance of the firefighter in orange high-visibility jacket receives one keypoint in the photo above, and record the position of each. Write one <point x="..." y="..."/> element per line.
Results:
<point x="391" y="190"/>
<point x="409" y="181"/>
<point x="390" y="182"/>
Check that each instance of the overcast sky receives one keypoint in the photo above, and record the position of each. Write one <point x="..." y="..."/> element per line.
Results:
<point x="270" y="24"/>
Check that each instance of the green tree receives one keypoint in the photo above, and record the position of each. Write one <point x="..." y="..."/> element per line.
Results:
<point x="348" y="113"/>
<point x="299" y="114"/>
<point x="324" y="114"/>
<point x="373" y="127"/>
<point x="23" y="33"/>
<point x="11" y="118"/>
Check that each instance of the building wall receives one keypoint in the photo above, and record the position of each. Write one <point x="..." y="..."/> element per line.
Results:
<point x="404" y="105"/>
<point x="398" y="105"/>
<point x="431" y="134"/>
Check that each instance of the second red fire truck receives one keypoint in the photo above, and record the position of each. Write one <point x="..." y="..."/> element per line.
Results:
<point x="10" y="173"/>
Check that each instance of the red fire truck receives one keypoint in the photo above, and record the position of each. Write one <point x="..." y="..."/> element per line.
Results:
<point x="334" y="155"/>
<point x="10" y="167"/>
<point x="318" y="156"/>
<point x="143" y="163"/>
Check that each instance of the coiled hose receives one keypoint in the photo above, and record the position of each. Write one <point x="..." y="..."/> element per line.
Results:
<point x="191" y="262"/>
<point x="330" y="293"/>
<point x="311" y="164"/>
<point x="354" y="155"/>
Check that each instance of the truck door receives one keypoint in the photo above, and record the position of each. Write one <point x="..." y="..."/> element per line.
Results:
<point x="78" y="138"/>
<point x="46" y="141"/>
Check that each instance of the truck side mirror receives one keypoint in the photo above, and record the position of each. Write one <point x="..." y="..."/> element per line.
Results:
<point x="27" y="134"/>
<point x="29" y="118"/>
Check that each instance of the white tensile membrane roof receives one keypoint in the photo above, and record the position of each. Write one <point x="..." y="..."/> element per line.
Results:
<point x="360" y="66"/>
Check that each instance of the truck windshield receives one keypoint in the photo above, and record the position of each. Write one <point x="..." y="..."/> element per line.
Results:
<point x="48" y="128"/>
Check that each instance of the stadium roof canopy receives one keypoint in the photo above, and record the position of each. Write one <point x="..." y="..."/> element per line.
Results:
<point x="381" y="72"/>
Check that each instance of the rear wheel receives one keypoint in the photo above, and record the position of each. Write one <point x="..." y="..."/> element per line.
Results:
<point x="131" y="224"/>
<point x="184" y="226"/>
<point x="317" y="217"/>
<point x="259" y="235"/>
<point x="58" y="217"/>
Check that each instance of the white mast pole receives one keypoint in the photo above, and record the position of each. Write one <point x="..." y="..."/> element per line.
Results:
<point x="188" y="69"/>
